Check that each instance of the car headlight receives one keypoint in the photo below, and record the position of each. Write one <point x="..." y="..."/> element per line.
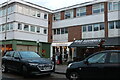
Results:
<point x="33" y="64"/>
<point x="69" y="65"/>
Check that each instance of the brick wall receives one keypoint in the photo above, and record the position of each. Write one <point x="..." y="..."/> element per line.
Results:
<point x="62" y="15"/>
<point x="89" y="10"/>
<point x="74" y="32"/>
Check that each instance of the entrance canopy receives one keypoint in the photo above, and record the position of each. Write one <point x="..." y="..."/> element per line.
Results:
<point x="92" y="43"/>
<point x="111" y="42"/>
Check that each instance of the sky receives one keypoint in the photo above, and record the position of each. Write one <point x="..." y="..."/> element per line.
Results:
<point x="54" y="4"/>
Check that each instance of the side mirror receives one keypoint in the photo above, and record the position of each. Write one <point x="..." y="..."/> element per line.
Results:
<point x="86" y="62"/>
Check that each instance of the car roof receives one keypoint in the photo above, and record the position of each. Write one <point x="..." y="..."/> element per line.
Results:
<point x="111" y="51"/>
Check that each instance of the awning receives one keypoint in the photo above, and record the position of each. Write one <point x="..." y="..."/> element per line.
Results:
<point x="61" y="44"/>
<point x="111" y="42"/>
<point x="92" y="43"/>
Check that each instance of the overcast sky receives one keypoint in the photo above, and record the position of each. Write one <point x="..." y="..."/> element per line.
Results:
<point x="54" y="4"/>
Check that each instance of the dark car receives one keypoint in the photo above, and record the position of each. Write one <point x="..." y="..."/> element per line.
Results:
<point x="104" y="64"/>
<point x="26" y="62"/>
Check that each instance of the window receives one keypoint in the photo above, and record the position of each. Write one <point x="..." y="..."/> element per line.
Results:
<point x="110" y="6"/>
<point x="3" y="28"/>
<point x="19" y="26"/>
<point x="54" y="31"/>
<point x="4" y="12"/>
<point x="102" y="26"/>
<point x="98" y="8"/>
<point x="9" y="54"/>
<point x="38" y="14"/>
<point x="33" y="12"/>
<point x="89" y="27"/>
<point x="45" y="16"/>
<point x="56" y="16"/>
<point x="58" y="31"/>
<point x="0" y="12"/>
<point x="32" y="28"/>
<point x="96" y="27"/>
<point x="7" y="26"/>
<point x="115" y="5"/>
<point x="68" y="14"/>
<point x="98" y="58"/>
<point x="16" y="54"/>
<point x="114" y="58"/>
<point x="62" y="31"/>
<point x="66" y="30"/>
<point x="38" y="30"/>
<point x="45" y="31"/>
<point x="117" y="24"/>
<point x="111" y="25"/>
<point x="84" y="29"/>
<point x="26" y="27"/>
<point x="81" y="11"/>
<point x="11" y="26"/>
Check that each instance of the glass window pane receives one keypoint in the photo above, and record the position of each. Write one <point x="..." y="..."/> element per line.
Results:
<point x="38" y="30"/>
<point x="0" y="28"/>
<point x="45" y="16"/>
<point x="117" y="24"/>
<point x="110" y="6"/>
<point x="11" y="26"/>
<point x="111" y="25"/>
<point x="54" y="31"/>
<point x="19" y="26"/>
<point x="26" y="27"/>
<point x="115" y="5"/>
<point x="89" y="27"/>
<point x="66" y="30"/>
<point x="62" y="31"/>
<point x="7" y="26"/>
<point x="84" y="29"/>
<point x="3" y="28"/>
<point x="96" y="27"/>
<point x="114" y="58"/>
<point x="45" y="31"/>
<point x="58" y="31"/>
<point x="98" y="58"/>
<point x="32" y="28"/>
<point x="102" y="26"/>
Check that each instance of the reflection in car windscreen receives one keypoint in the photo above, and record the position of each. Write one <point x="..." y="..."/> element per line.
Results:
<point x="26" y="54"/>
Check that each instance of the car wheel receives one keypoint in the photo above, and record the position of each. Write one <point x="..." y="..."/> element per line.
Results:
<point x="74" y="76"/>
<point x="25" y="71"/>
<point x="4" y="68"/>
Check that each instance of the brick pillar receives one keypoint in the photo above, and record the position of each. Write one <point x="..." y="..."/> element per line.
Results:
<point x="74" y="32"/>
<point x="62" y="15"/>
<point x="74" y="12"/>
<point x="106" y="19"/>
<point x="89" y="10"/>
<point x="50" y="36"/>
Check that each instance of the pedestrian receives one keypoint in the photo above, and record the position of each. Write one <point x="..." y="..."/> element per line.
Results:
<point x="53" y="59"/>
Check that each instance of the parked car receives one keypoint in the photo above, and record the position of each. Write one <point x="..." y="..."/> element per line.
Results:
<point x="104" y="64"/>
<point x="26" y="62"/>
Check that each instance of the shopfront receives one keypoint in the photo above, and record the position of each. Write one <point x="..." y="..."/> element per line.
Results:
<point x="83" y="48"/>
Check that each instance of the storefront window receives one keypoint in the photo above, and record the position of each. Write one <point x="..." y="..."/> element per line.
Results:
<point x="111" y="25"/>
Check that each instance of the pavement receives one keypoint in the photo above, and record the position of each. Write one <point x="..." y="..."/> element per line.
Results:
<point x="60" y="69"/>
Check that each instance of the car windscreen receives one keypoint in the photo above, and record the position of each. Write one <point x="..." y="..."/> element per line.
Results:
<point x="26" y="54"/>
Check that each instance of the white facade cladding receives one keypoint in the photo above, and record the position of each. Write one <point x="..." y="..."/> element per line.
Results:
<point x="31" y="18"/>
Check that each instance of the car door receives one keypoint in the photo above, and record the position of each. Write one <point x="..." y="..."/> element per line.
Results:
<point x="95" y="65"/>
<point x="16" y="61"/>
<point x="112" y="68"/>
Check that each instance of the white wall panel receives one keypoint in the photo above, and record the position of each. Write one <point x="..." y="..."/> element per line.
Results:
<point x="60" y="38"/>
<point x="31" y="20"/>
<point x="96" y="18"/>
<point x="114" y="32"/>
<point x="30" y="36"/>
<point x="113" y="15"/>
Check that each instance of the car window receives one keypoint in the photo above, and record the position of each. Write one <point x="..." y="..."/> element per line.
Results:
<point x="9" y="54"/>
<point x="114" y="58"/>
<point x="98" y="58"/>
<point x="16" y="54"/>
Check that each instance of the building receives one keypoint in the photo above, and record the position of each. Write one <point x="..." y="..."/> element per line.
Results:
<point x="25" y="26"/>
<point x="71" y="30"/>
<point x="92" y="26"/>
